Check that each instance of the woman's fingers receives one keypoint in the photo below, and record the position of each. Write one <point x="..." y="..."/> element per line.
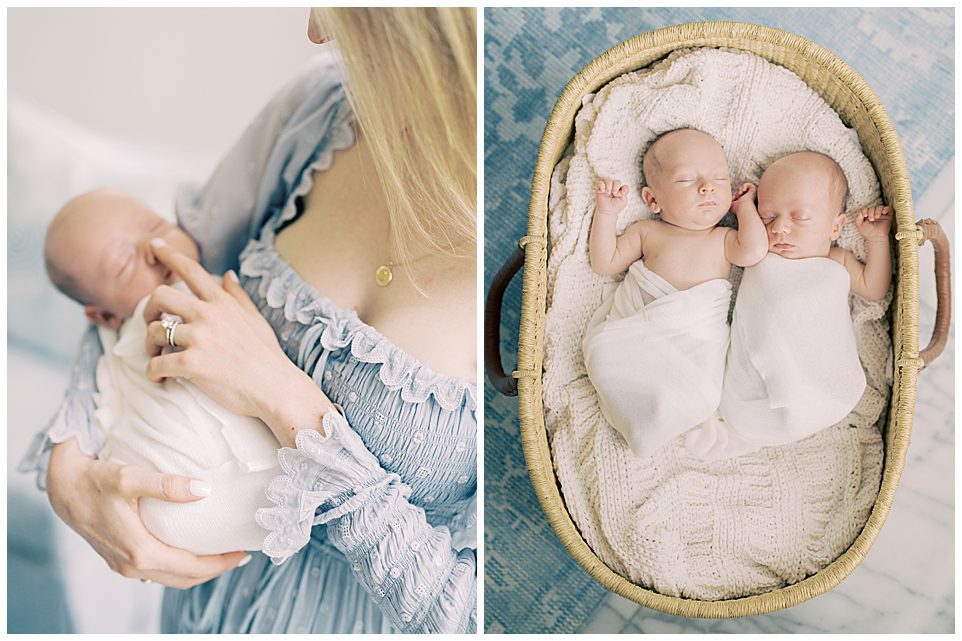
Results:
<point x="197" y="278"/>
<point x="182" y="569"/>
<point x="166" y="299"/>
<point x="177" y="568"/>
<point x="135" y="482"/>
<point x="233" y="287"/>
<point x="157" y="337"/>
<point x="169" y="365"/>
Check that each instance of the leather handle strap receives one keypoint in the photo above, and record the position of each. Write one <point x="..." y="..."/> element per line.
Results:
<point x="507" y="385"/>
<point x="932" y="232"/>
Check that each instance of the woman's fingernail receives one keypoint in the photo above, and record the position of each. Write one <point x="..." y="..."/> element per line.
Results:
<point x="158" y="242"/>
<point x="232" y="275"/>
<point x="200" y="488"/>
<point x="244" y="561"/>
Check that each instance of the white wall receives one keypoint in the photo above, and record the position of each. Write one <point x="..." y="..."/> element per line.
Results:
<point x="184" y="79"/>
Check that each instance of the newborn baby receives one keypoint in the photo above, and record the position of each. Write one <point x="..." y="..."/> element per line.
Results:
<point x="655" y="350"/>
<point x="98" y="252"/>
<point x="793" y="367"/>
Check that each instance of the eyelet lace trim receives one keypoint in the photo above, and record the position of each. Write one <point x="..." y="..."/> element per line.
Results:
<point x="335" y="471"/>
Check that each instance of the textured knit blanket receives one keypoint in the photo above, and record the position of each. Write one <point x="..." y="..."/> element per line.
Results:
<point x="672" y="522"/>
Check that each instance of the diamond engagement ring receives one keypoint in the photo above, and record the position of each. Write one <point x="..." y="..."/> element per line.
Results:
<point x="170" y="324"/>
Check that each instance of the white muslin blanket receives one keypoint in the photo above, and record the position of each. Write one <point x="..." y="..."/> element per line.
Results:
<point x="175" y="428"/>
<point x="656" y="355"/>
<point x="674" y="522"/>
<point x="793" y="366"/>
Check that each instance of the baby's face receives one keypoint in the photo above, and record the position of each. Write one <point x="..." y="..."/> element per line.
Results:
<point x="104" y="243"/>
<point x="799" y="207"/>
<point x="689" y="185"/>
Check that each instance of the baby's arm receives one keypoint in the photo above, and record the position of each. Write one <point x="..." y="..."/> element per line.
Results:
<point x="748" y="244"/>
<point x="871" y="280"/>
<point x="609" y="253"/>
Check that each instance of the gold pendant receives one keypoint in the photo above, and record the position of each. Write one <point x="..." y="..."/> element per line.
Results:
<point x="383" y="276"/>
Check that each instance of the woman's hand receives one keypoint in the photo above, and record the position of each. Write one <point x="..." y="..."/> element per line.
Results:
<point x="99" y="500"/>
<point x="228" y="350"/>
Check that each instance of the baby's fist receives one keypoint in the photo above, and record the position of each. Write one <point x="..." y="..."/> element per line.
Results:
<point x="610" y="196"/>
<point x="874" y="222"/>
<point x="743" y="195"/>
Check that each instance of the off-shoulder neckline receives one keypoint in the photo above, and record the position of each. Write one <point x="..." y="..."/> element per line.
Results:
<point x="447" y="389"/>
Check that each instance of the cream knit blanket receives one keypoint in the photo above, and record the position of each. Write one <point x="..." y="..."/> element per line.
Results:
<point x="671" y="522"/>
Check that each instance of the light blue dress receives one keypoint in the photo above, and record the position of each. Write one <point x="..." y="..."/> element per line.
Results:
<point x="373" y="527"/>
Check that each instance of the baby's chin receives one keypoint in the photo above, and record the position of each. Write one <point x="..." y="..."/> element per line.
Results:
<point x="700" y="219"/>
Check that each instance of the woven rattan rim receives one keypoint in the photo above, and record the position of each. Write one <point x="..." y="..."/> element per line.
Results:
<point x="860" y="108"/>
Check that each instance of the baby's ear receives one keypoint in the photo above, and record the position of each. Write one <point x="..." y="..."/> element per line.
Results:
<point x="837" y="225"/>
<point x="100" y="316"/>
<point x="649" y="197"/>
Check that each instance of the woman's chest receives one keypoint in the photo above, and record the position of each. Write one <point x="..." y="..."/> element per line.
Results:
<point x="339" y="255"/>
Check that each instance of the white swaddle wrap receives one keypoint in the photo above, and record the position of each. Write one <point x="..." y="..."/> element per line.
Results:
<point x="656" y="356"/>
<point x="793" y="366"/>
<point x="175" y="428"/>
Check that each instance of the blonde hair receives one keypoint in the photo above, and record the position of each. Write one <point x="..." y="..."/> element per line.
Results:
<point x="412" y="82"/>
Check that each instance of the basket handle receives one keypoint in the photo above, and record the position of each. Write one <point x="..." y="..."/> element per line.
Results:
<point x="507" y="385"/>
<point x="932" y="231"/>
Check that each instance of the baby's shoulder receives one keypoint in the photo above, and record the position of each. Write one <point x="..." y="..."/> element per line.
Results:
<point x="841" y="256"/>
<point x="644" y="227"/>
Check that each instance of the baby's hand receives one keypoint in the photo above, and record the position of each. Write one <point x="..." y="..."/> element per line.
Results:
<point x="610" y="197"/>
<point x="874" y="222"/>
<point x="744" y="195"/>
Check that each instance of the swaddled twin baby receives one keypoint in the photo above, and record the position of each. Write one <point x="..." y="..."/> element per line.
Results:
<point x="98" y="252"/>
<point x="659" y="350"/>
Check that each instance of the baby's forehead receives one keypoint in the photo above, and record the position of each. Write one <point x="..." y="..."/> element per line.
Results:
<point x="804" y="165"/>
<point x="683" y="147"/>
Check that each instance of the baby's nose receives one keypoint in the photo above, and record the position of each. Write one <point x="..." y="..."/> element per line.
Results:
<point x="707" y="187"/>
<point x="780" y="226"/>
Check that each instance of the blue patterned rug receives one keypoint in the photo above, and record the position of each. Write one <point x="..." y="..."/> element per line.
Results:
<point x="906" y="56"/>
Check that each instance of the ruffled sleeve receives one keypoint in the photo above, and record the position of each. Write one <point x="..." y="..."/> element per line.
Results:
<point x="412" y="570"/>
<point x="261" y="170"/>
<point x="74" y="419"/>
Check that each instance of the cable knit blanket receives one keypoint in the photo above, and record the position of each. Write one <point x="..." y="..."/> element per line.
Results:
<point x="672" y="522"/>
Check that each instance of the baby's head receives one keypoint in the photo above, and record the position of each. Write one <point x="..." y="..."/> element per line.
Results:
<point x="98" y="253"/>
<point x="686" y="179"/>
<point x="801" y="200"/>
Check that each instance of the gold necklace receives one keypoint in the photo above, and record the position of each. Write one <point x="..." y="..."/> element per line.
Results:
<point x="384" y="274"/>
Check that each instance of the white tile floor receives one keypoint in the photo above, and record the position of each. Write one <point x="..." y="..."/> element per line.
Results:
<point x="906" y="583"/>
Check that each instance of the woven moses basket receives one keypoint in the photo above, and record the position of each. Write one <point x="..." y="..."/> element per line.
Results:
<point x="858" y="106"/>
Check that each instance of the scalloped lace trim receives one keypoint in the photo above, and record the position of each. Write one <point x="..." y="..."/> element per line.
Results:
<point x="345" y="465"/>
<point x="282" y="288"/>
<point x="342" y="137"/>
